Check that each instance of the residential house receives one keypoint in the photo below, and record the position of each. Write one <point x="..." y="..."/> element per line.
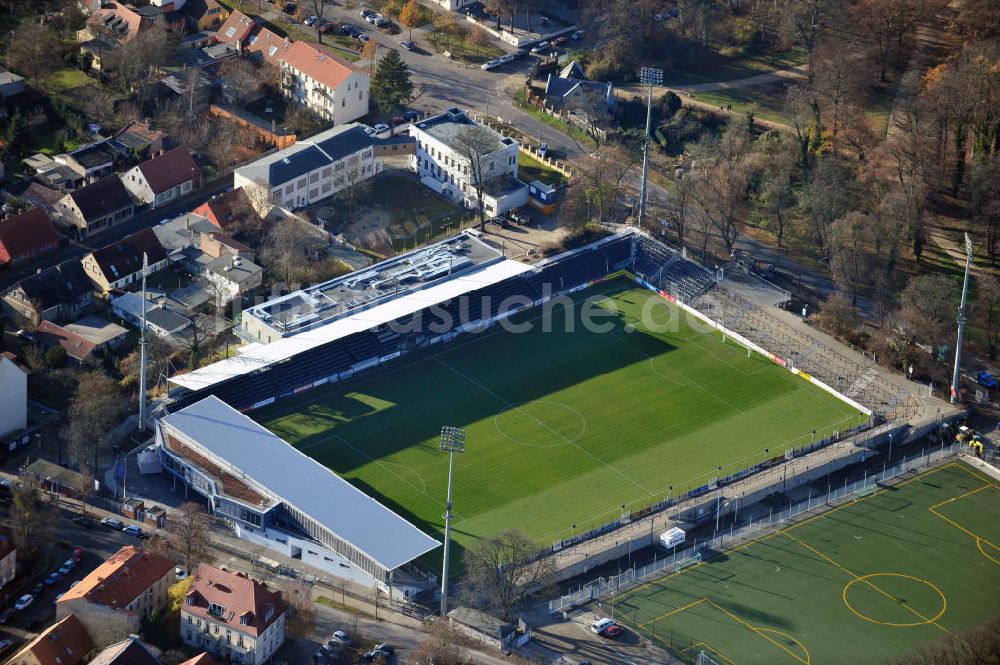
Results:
<point x="181" y="239"/>
<point x="232" y="616"/>
<point x="216" y="244"/>
<point x="115" y="597"/>
<point x="160" y="321"/>
<point x="233" y="276"/>
<point x="53" y="174"/>
<point x="66" y="642"/>
<point x="96" y="207"/>
<point x="203" y="15"/>
<point x="8" y="557"/>
<point x="36" y="195"/>
<point x="488" y="630"/>
<point x="91" y="162"/>
<point x="139" y="141"/>
<point x="593" y="103"/>
<point x="310" y="170"/>
<point x="454" y="5"/>
<point x="249" y="37"/>
<point x="313" y="77"/>
<point x="130" y="651"/>
<point x="118" y="21"/>
<point x="13" y="395"/>
<point x="119" y="264"/>
<point x="82" y="339"/>
<point x="62" y="292"/>
<point x="163" y="178"/>
<point x="27" y="235"/>
<point x="230" y="210"/>
<point x="446" y="165"/>
<point x="10" y="84"/>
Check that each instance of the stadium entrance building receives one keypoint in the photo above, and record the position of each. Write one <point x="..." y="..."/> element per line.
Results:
<point x="274" y="495"/>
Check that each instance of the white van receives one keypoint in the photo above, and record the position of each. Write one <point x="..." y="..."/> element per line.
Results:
<point x="672" y="537"/>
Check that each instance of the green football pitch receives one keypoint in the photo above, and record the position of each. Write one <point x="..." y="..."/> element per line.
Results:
<point x="564" y="427"/>
<point x="865" y="582"/>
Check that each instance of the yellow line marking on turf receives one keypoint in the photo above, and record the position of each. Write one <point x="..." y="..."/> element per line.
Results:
<point x="865" y="579"/>
<point x="675" y="611"/>
<point x="979" y="539"/>
<point x="714" y="651"/>
<point x="860" y="578"/>
<point x="760" y="632"/>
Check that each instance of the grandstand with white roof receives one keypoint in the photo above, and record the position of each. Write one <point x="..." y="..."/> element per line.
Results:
<point x="327" y="333"/>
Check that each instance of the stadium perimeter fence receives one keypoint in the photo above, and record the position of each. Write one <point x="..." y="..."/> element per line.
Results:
<point x="704" y="549"/>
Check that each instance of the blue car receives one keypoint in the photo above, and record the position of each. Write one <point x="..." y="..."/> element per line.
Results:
<point x="52" y="579"/>
<point x="986" y="380"/>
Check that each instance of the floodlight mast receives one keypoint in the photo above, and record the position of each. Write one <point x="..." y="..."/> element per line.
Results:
<point x="452" y="441"/>
<point x="961" y="319"/>
<point x="647" y="76"/>
<point x="143" y="348"/>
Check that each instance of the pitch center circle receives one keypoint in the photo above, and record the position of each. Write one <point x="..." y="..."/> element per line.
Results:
<point x="869" y="579"/>
<point x="540" y="424"/>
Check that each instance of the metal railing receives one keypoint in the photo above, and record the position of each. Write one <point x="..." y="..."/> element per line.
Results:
<point x="614" y="584"/>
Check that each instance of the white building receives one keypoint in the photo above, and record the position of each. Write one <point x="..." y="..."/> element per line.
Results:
<point x="319" y="80"/>
<point x="232" y="616"/>
<point x="310" y="170"/>
<point x="454" y="5"/>
<point x="445" y="166"/>
<point x="13" y="395"/>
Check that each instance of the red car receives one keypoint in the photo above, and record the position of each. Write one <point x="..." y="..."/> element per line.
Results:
<point x="558" y="41"/>
<point x="327" y="28"/>
<point x="77" y="554"/>
<point x="612" y="631"/>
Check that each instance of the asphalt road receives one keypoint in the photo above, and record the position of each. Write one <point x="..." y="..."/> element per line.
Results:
<point x="144" y="220"/>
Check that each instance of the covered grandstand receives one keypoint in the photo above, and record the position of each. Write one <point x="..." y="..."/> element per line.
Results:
<point x="430" y="313"/>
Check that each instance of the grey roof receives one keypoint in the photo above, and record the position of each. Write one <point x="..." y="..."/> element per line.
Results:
<point x="503" y="185"/>
<point x="308" y="154"/>
<point x="302" y="482"/>
<point x="237" y="271"/>
<point x="447" y="126"/>
<point x="558" y="86"/>
<point x="164" y="319"/>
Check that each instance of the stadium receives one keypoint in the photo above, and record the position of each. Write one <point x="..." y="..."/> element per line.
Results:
<point x="595" y="387"/>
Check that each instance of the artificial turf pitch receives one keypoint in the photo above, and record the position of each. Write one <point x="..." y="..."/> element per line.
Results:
<point x="862" y="583"/>
<point x="563" y="428"/>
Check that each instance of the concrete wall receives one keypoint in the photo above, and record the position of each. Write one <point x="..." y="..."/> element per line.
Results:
<point x="105" y="625"/>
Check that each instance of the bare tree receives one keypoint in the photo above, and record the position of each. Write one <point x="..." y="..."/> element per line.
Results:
<point x="187" y="533"/>
<point x="503" y="571"/>
<point x="355" y="184"/>
<point x="258" y="195"/>
<point x="31" y="519"/>
<point x="196" y="340"/>
<point x="475" y="144"/>
<point x="241" y="79"/>
<point x="301" y="608"/>
<point x="33" y="50"/>
<point x="289" y="248"/>
<point x="94" y="411"/>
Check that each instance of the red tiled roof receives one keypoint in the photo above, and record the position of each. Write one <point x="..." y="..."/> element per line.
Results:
<point x="64" y="643"/>
<point x="239" y="596"/>
<point x="122" y="578"/>
<point x="76" y="346"/>
<point x="26" y="235"/>
<point x="169" y="169"/>
<point x="125" y="22"/>
<point x="270" y="45"/>
<point x="236" y="28"/>
<point x="318" y="64"/>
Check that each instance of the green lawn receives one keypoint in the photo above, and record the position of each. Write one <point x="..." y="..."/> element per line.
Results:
<point x="766" y="101"/>
<point x="564" y="427"/>
<point x="529" y="168"/>
<point x="860" y="584"/>
<point x="66" y="79"/>
<point x="460" y="49"/>
<point x="717" y="67"/>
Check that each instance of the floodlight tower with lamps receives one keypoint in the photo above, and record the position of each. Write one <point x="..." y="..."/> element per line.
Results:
<point x="142" y="348"/>
<point x="452" y="441"/>
<point x="961" y="319"/>
<point x="647" y="76"/>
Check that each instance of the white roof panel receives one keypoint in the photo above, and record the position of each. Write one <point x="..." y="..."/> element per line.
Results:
<point x="302" y="482"/>
<point x="257" y="356"/>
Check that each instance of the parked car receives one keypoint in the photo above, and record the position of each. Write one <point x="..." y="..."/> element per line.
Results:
<point x="23" y="602"/>
<point x="83" y="521"/>
<point x="986" y="380"/>
<point x="363" y="38"/>
<point x="67" y="566"/>
<point x="407" y="44"/>
<point x="349" y="30"/>
<point x="52" y="579"/>
<point x="381" y="127"/>
<point x="601" y="625"/>
<point x="341" y="638"/>
<point x="38" y="588"/>
<point x="558" y="41"/>
<point x="490" y="64"/>
<point x="77" y="554"/>
<point x="543" y="149"/>
<point x="365" y="13"/>
<point x="578" y="35"/>
<point x="612" y="631"/>
<point x="112" y="523"/>
<point x="519" y="217"/>
<point x="311" y="20"/>
<point x="4" y="645"/>
<point x="327" y="28"/>
<point x="397" y="120"/>
<point x="180" y="573"/>
<point x="382" y="22"/>
<point x="6" y="614"/>
<point x="411" y="116"/>
<point x="383" y="650"/>
<point x="290" y="8"/>
<point x="133" y="530"/>
<point x="541" y="47"/>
